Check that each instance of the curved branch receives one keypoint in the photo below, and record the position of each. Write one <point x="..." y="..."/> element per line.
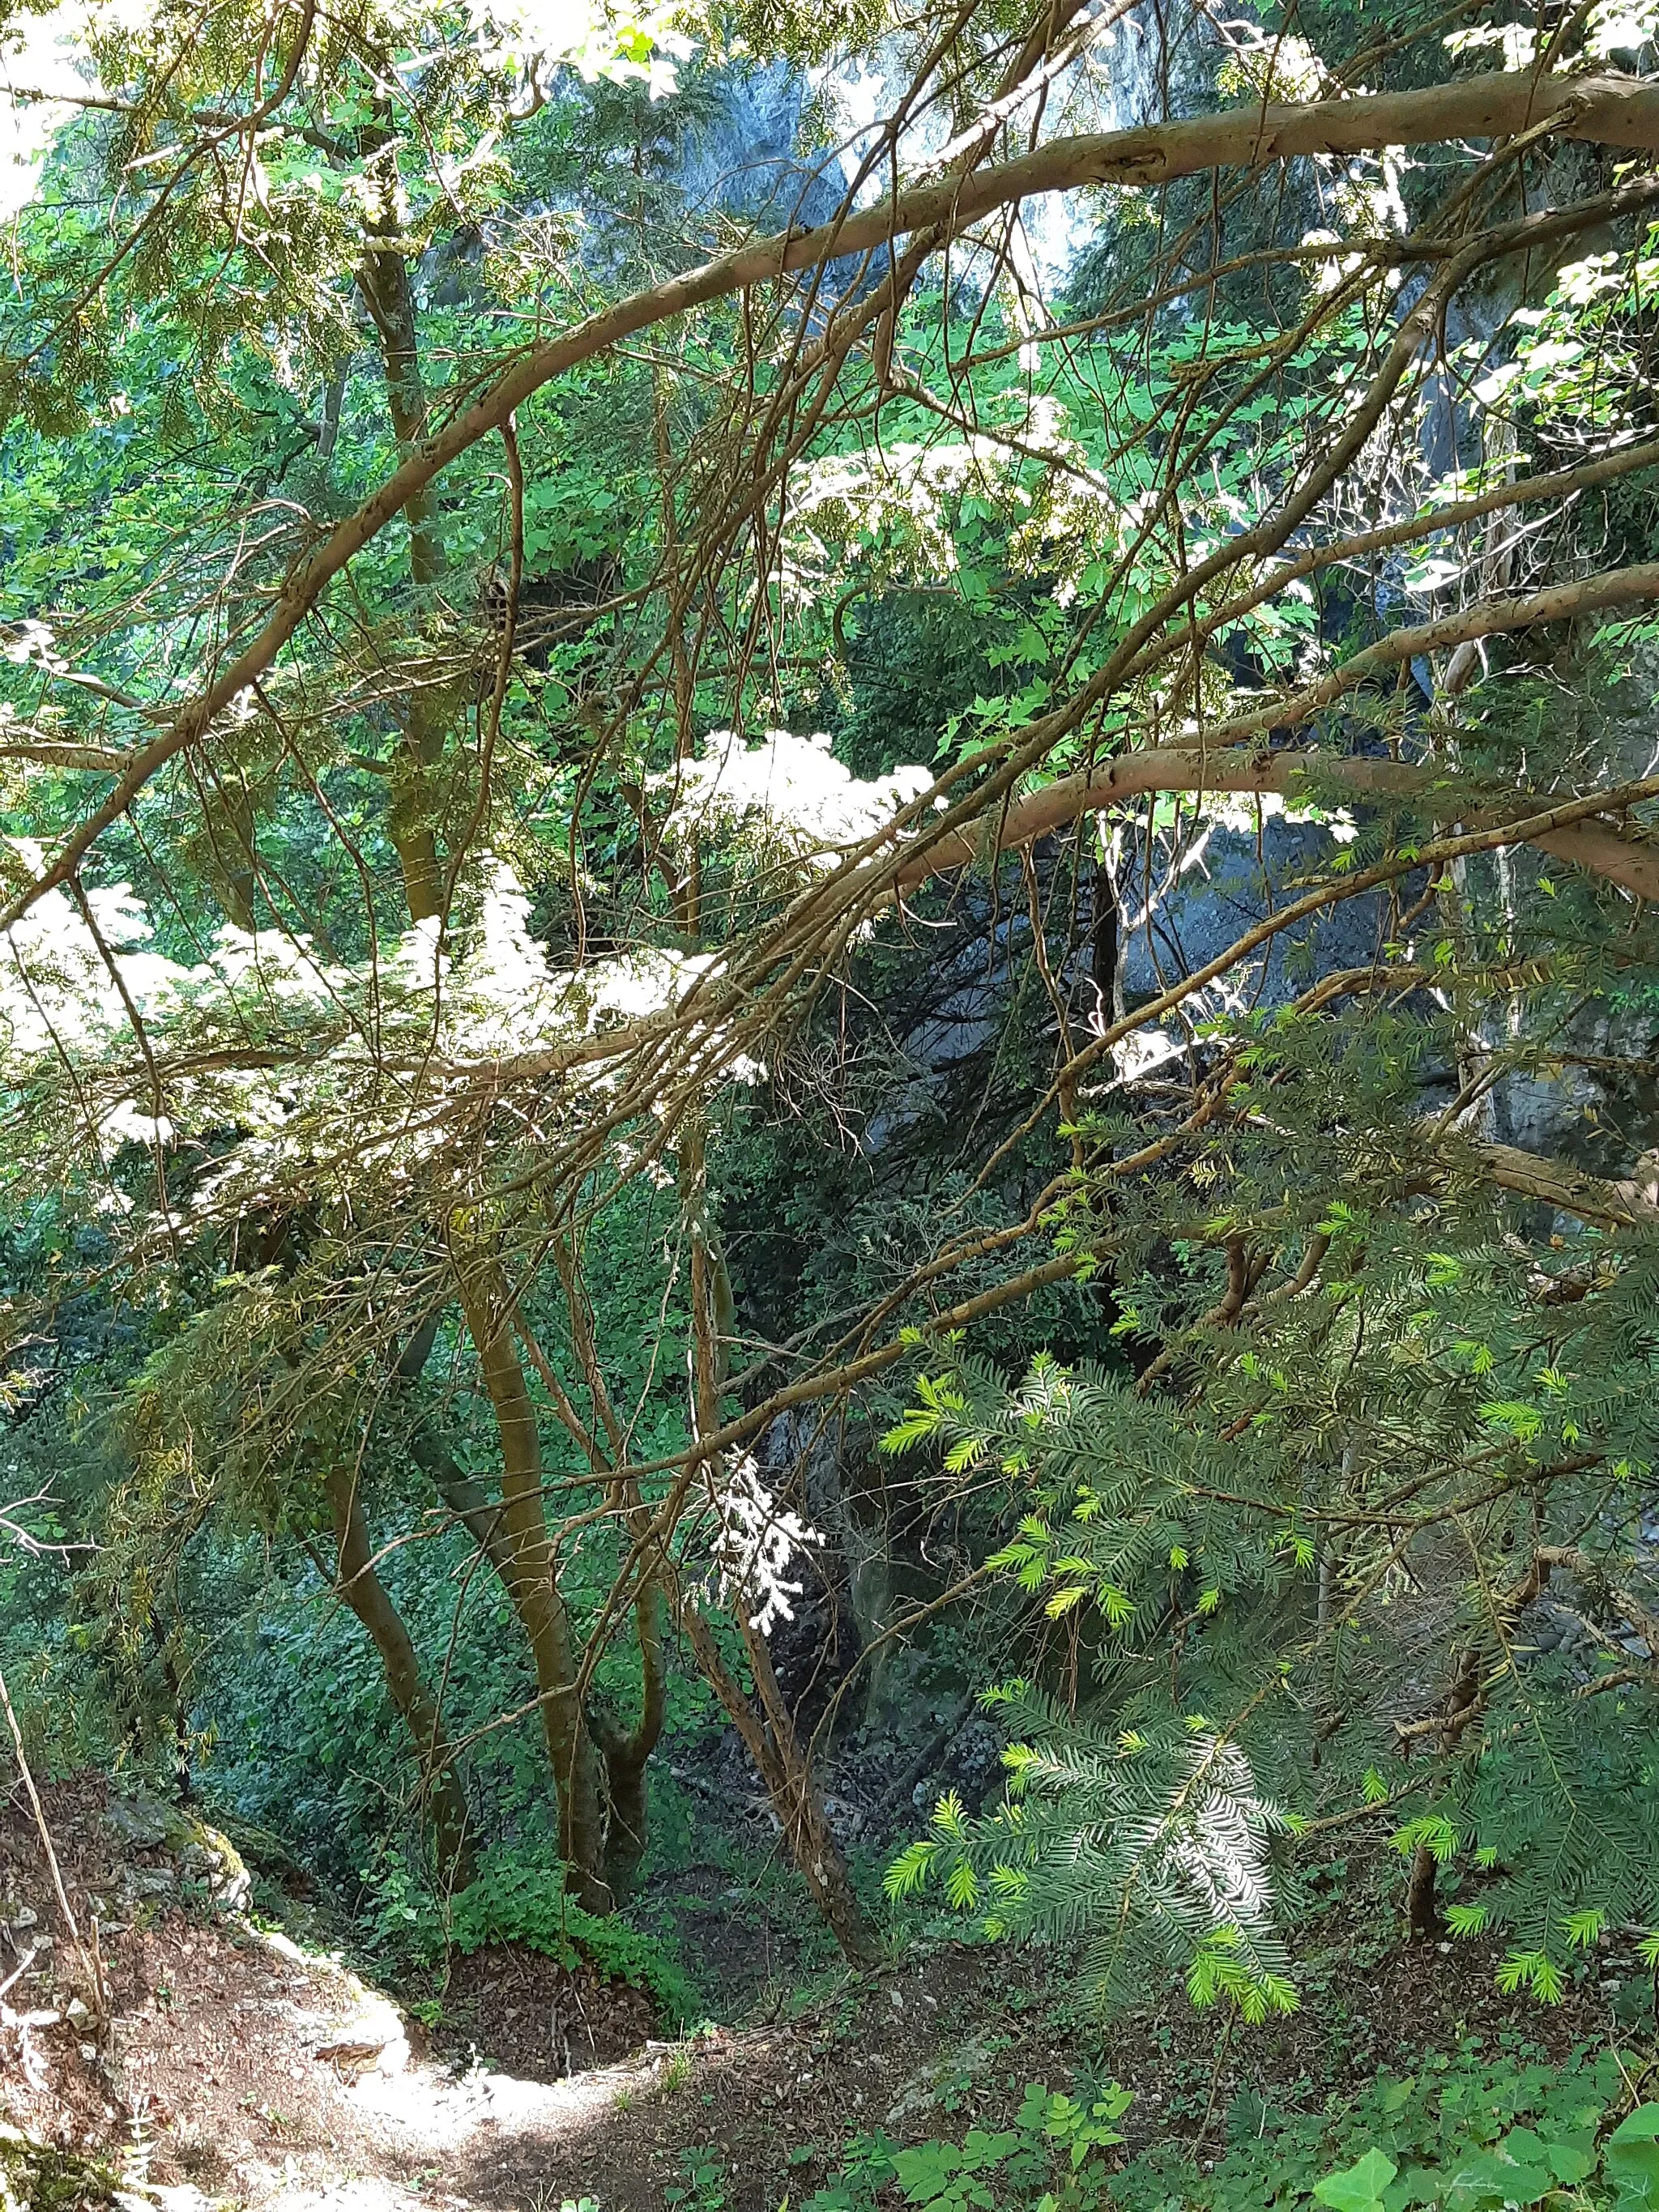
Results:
<point x="1606" y="110"/>
<point x="1241" y="769"/>
<point x="1613" y="587"/>
<point x="1626" y="1204"/>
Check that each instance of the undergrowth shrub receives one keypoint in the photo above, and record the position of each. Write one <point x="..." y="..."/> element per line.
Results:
<point x="517" y="1901"/>
<point x="1464" y="2132"/>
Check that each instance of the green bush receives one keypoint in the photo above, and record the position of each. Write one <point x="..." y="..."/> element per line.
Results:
<point x="1055" y="2155"/>
<point x="516" y="1901"/>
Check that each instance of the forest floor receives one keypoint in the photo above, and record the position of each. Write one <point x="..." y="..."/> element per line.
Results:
<point x="240" y="2066"/>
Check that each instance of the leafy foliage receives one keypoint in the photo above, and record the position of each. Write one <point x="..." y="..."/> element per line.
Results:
<point x="528" y="981"/>
<point x="518" y="1902"/>
<point x="1468" y="2133"/>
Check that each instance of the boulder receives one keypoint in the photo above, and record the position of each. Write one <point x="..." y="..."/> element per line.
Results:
<point x="201" y="1854"/>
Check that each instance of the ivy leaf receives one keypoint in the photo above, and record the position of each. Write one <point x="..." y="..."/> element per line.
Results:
<point x="1357" y="2188"/>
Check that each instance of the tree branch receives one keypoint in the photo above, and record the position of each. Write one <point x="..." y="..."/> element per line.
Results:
<point x="1606" y="110"/>
<point x="1591" y="845"/>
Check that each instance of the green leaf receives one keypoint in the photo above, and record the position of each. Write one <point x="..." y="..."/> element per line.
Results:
<point x="962" y="1887"/>
<point x="1632" y="2157"/>
<point x="1570" y="2162"/>
<point x="1357" y="2188"/>
<point x="1581" y="1928"/>
<point x="1531" y="1970"/>
<point x="1522" y="1421"/>
<point x="911" y="1868"/>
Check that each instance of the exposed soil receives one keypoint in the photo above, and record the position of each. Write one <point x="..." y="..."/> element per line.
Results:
<point x="526" y="2015"/>
<point x="233" y="2054"/>
<point x="745" y="1941"/>
<point x="225" y="2051"/>
<point x="252" y="2071"/>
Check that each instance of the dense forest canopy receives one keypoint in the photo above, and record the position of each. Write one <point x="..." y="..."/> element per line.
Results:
<point x="826" y="867"/>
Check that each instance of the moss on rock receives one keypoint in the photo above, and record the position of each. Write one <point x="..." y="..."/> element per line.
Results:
<point x="201" y="1853"/>
<point x="34" y="2178"/>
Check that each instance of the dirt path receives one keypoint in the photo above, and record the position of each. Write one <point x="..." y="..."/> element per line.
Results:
<point x="237" y="2067"/>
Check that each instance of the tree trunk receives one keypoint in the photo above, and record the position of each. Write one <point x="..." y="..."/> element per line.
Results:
<point x="383" y="282"/>
<point x="626" y="1752"/>
<point x="786" y="1773"/>
<point x="1464" y="1702"/>
<point x="783" y="1764"/>
<point x="524" y="1559"/>
<point x="1423" y="1919"/>
<point x="368" y="1598"/>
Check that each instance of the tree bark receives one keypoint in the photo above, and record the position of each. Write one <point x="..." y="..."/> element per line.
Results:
<point x="1593" y="846"/>
<point x="524" y="1557"/>
<point x="383" y="282"/>
<point x="1464" y="1701"/>
<point x="1423" y="1920"/>
<point x="361" y="1588"/>
<point x="626" y="1752"/>
<point x="787" y="1777"/>
<point x="783" y="1764"/>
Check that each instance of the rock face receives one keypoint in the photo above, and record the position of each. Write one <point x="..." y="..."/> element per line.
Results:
<point x="784" y="145"/>
<point x="747" y="159"/>
<point x="1220" y="884"/>
<point x="813" y="1650"/>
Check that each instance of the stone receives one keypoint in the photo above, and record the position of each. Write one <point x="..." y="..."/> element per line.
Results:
<point x="141" y="1882"/>
<point x="146" y="1824"/>
<point x="846" y="1820"/>
<point x="180" y="2197"/>
<point x="200" y="1852"/>
<point x="374" y="2040"/>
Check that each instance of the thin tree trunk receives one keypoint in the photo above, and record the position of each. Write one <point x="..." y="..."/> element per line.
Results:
<point x="383" y="281"/>
<point x="783" y="1763"/>
<point x="1464" y="1701"/>
<point x="524" y="1559"/>
<point x="790" y="1783"/>
<point x="1423" y="1920"/>
<point x="626" y="1752"/>
<point x="367" y="1594"/>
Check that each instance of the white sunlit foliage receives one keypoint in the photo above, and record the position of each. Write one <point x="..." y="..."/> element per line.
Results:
<point x="756" y="1540"/>
<point x="789" y="795"/>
